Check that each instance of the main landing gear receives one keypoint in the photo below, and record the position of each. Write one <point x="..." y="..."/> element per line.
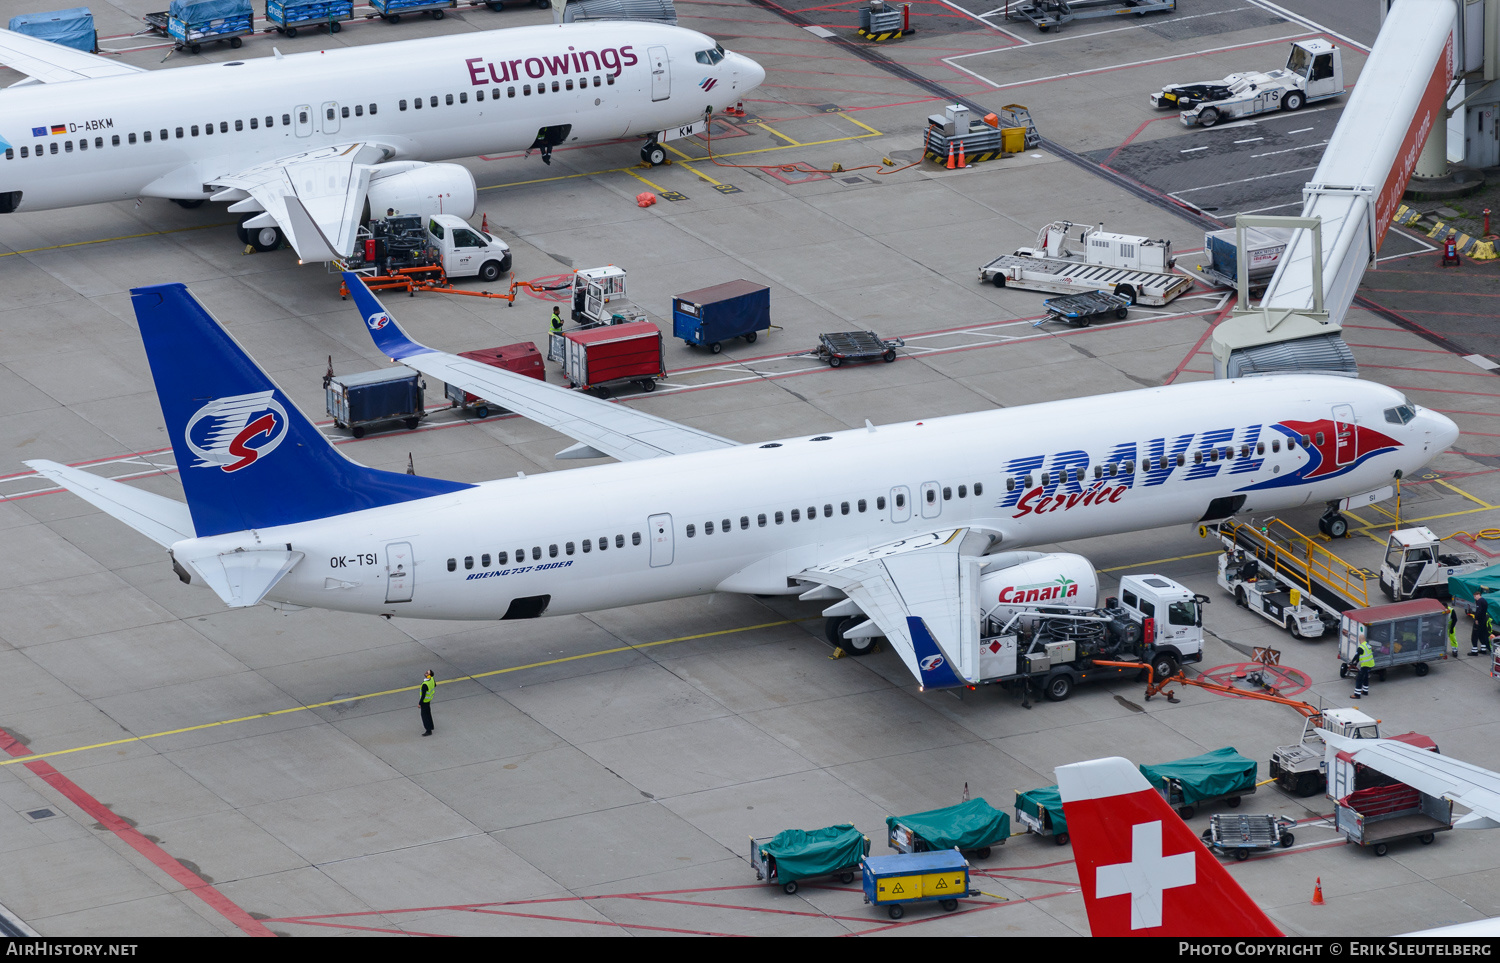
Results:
<point x="1333" y="523"/>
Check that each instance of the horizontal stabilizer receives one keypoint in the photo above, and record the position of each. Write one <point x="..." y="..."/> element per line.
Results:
<point x="243" y="578"/>
<point x="160" y="519"/>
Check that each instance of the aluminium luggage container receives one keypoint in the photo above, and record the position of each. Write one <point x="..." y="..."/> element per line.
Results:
<point x="358" y="401"/>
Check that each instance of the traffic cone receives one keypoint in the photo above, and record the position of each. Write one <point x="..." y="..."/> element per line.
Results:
<point x="950" y="155"/>
<point x="738" y="110"/>
<point x="484" y="223"/>
<point x="962" y="162"/>
<point x="1317" y="899"/>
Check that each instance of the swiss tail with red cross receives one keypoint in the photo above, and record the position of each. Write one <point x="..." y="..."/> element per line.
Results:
<point x="1142" y="870"/>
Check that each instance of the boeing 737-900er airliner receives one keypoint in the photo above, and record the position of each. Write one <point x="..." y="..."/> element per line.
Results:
<point x="306" y="145"/>
<point x="897" y="521"/>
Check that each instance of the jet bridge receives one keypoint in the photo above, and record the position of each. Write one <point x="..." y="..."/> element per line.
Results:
<point x="1398" y="101"/>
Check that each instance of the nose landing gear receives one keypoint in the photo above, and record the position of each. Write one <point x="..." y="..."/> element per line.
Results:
<point x="1333" y="523"/>
<point x="654" y="154"/>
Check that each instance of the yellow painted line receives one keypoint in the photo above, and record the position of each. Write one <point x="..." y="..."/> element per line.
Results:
<point x="858" y="123"/>
<point x="644" y="181"/>
<point x="385" y="692"/>
<point x="1158" y="561"/>
<point x="559" y="177"/>
<point x="685" y="159"/>
<point x="776" y="133"/>
<point x="122" y="237"/>
<point x="1452" y="487"/>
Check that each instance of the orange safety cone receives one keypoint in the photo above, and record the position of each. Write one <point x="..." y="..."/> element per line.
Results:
<point x="950" y="155"/>
<point x="484" y="223"/>
<point x="962" y="162"/>
<point x="1317" y="899"/>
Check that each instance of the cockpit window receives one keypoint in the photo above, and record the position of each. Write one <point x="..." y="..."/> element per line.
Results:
<point x="710" y="57"/>
<point x="1400" y="415"/>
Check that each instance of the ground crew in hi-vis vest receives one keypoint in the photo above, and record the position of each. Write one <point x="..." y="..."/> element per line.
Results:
<point x="1365" y="659"/>
<point x="429" y="685"/>
<point x="1452" y="630"/>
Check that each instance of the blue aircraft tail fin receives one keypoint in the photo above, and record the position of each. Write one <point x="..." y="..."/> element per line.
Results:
<point x="248" y="458"/>
<point x="937" y="673"/>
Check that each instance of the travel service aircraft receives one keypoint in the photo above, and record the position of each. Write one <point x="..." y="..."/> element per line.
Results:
<point x="1144" y="872"/>
<point x="896" y="521"/>
<point x="307" y="145"/>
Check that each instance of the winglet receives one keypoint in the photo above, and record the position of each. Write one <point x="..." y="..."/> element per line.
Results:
<point x="1129" y="843"/>
<point x="937" y="673"/>
<point x="393" y="342"/>
<point x="308" y="239"/>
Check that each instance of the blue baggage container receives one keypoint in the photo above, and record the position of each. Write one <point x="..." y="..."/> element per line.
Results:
<point x="373" y="397"/>
<point x="710" y="316"/>
<point x="198" y="21"/>
<point x="71" y="28"/>
<point x="940" y="876"/>
<point x="393" y="9"/>
<point x="288" y="15"/>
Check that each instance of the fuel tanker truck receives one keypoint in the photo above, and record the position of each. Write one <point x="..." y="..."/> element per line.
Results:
<point x="1043" y="624"/>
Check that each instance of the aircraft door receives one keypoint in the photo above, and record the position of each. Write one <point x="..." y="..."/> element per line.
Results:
<point x="900" y="504"/>
<point x="661" y="73"/>
<point x="1345" y="438"/>
<point x="400" y="572"/>
<point x="304" y="124"/>
<point x="661" y="540"/>
<point x="932" y="505"/>
<point x="330" y="118"/>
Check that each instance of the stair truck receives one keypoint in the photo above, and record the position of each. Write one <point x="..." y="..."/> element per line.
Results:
<point x="1286" y="577"/>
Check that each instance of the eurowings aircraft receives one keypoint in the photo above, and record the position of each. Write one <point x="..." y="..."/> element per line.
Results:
<point x="1144" y="872"/>
<point x="306" y="145"/>
<point x="896" y="522"/>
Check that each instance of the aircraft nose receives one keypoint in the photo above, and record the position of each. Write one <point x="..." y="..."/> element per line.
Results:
<point x="753" y="73"/>
<point x="1444" y="431"/>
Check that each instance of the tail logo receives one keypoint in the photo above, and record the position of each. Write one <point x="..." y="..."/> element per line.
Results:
<point x="1146" y="876"/>
<point x="931" y="663"/>
<point x="233" y="433"/>
<point x="378" y="320"/>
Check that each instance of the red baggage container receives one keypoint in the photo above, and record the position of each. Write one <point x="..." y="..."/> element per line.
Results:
<point x="614" y="354"/>
<point x="523" y="358"/>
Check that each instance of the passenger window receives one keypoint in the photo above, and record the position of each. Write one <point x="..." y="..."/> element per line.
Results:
<point x="452" y="564"/>
<point x="1197" y="457"/>
<point x="416" y="103"/>
<point x="744" y="522"/>
<point x="301" y="116"/>
<point x="1181" y="460"/>
<point x="1307" y="441"/>
<point x="1213" y="455"/>
<point x="224" y="126"/>
<point x="635" y="538"/>
<point x="796" y="515"/>
<point x="10" y="154"/>
<point x="448" y="100"/>
<point x="536" y="553"/>
<point x="1046" y="478"/>
<point x="1010" y="483"/>
<point x="761" y="520"/>
<point x="827" y="511"/>
<point x="500" y="559"/>
<point x="1260" y="448"/>
<point x="83" y="144"/>
<point x="239" y="125"/>
<point x="931" y="497"/>
<point x="588" y="545"/>
<point x="708" y="528"/>
<point x="603" y="544"/>
<point x="468" y="561"/>
<point x="620" y="540"/>
<point x="879" y="503"/>
<point x="1275" y="445"/>
<point x="552" y="551"/>
<point x="146" y="136"/>
<point x="208" y="129"/>
<point x="963" y="490"/>
<point x="510" y="91"/>
<point x="901" y="497"/>
<point x="484" y="560"/>
<point x="1320" y="439"/>
<point x="526" y="90"/>
<point x="843" y="508"/>
<point x="978" y="489"/>
<point x="463" y="98"/>
<point x="555" y="86"/>
<point x="860" y="505"/>
<point x="433" y="101"/>
<point x="286" y="120"/>
<point x="725" y="526"/>
<point x="359" y="110"/>
<point x="569" y="84"/>
<point x="780" y="518"/>
<point x="948" y="493"/>
<point x="374" y="109"/>
<point x="1129" y="468"/>
<point x="568" y="548"/>
<point x="691" y="530"/>
<point x="99" y="142"/>
<point x="610" y="79"/>
<point x="479" y="94"/>
<point x="68" y="146"/>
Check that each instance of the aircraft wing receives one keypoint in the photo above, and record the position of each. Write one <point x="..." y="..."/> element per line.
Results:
<point x="52" y="63"/>
<point x="315" y="197"/>
<point x="1432" y="773"/>
<point x="600" y="427"/>
<point x="922" y="593"/>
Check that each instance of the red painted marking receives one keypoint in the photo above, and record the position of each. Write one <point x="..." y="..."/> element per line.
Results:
<point x="1474" y="544"/>
<point x="1396" y="367"/>
<point x="1199" y="344"/>
<point x="1133" y="135"/>
<point x="1447" y="391"/>
<point x="1290" y="681"/>
<point x="564" y="293"/>
<point x="1390" y="347"/>
<point x="159" y="857"/>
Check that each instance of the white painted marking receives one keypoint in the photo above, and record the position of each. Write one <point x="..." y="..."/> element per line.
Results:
<point x="1249" y="140"/>
<point x="1300" y="130"/>
<point x="1321" y="143"/>
<point x="1262" y="210"/>
<point x="998" y="29"/>
<point x="1242" y="180"/>
<point x="1310" y="24"/>
<point x="1147" y="876"/>
<point x="819" y="32"/>
<point x="1481" y="361"/>
<point x="1192" y="150"/>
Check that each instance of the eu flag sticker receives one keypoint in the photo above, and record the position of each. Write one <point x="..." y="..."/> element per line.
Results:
<point x="38" y="132"/>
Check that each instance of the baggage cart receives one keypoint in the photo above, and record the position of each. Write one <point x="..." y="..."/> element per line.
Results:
<point x="521" y="358"/>
<point x="891" y="881"/>
<point x="1189" y="783"/>
<point x="71" y="28"/>
<point x="709" y="316"/>
<point x="1241" y="834"/>
<point x="192" y="23"/>
<point x="1041" y="812"/>
<point x="1411" y="633"/>
<point x="358" y="401"/>
<point x="391" y="10"/>
<point x="838" y="347"/>
<point x="1377" y="816"/>
<point x="599" y="359"/>
<point x="1081" y="309"/>
<point x="289" y="16"/>
<point x="795" y="854"/>
<point x="971" y="827"/>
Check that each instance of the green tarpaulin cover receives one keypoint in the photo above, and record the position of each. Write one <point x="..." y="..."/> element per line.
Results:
<point x="967" y="826"/>
<point x="1217" y="773"/>
<point x="803" y="853"/>
<point x="1485" y="580"/>
<point x="1047" y="800"/>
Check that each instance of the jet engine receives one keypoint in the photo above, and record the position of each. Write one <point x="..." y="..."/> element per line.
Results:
<point x="423" y="189"/>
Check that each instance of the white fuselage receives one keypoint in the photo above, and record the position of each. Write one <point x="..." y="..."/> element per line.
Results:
<point x="749" y="519"/>
<point x="165" y="133"/>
